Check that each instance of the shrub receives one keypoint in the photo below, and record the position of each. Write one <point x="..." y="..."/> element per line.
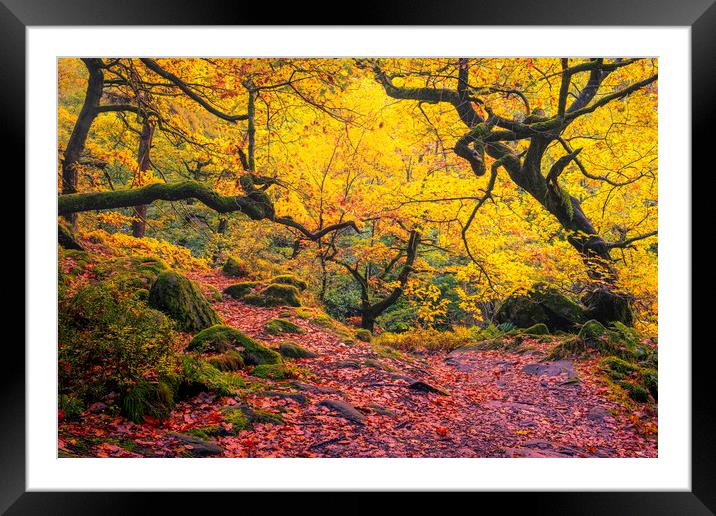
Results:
<point x="111" y="341"/>
<point x="428" y="340"/>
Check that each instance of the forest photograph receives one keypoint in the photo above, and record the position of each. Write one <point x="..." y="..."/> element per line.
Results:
<point x="357" y="257"/>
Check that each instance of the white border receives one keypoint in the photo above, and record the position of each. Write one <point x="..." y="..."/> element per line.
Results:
<point x="670" y="471"/>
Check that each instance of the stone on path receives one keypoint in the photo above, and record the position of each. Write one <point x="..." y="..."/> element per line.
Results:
<point x="198" y="447"/>
<point x="426" y="387"/>
<point x="345" y="410"/>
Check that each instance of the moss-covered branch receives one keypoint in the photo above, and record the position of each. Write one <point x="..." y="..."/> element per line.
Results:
<point x="256" y="204"/>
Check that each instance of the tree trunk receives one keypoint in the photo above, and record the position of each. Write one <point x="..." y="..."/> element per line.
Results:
<point x="370" y="312"/>
<point x="368" y="321"/>
<point x="78" y="138"/>
<point x="139" y="224"/>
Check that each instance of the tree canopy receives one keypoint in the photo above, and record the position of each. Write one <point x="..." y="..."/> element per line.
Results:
<point x="470" y="177"/>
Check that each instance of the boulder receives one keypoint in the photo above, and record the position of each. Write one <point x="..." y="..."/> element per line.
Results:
<point x="289" y="279"/>
<point x="274" y="295"/>
<point x="197" y="447"/>
<point x="180" y="299"/>
<point x="607" y="306"/>
<point x="343" y="409"/>
<point x="239" y="290"/>
<point x="542" y="305"/>
<point x="280" y="326"/>
<point x="292" y="350"/>
<point x="235" y="268"/>
<point x="221" y="339"/>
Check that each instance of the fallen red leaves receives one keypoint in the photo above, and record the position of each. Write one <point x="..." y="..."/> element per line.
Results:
<point x="494" y="408"/>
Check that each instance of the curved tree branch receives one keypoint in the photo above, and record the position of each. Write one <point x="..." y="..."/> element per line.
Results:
<point x="154" y="66"/>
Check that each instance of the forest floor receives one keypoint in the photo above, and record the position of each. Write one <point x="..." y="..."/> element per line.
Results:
<point x="356" y="400"/>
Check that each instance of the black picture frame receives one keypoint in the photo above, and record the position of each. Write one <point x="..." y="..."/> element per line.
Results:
<point x="700" y="15"/>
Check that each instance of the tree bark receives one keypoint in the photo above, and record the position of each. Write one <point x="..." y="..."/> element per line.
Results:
<point x="370" y="312"/>
<point x="139" y="224"/>
<point x="78" y="138"/>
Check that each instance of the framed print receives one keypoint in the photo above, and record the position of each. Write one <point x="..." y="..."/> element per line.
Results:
<point x="444" y="250"/>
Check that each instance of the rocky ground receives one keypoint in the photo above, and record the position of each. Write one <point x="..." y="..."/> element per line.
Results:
<point x="358" y="400"/>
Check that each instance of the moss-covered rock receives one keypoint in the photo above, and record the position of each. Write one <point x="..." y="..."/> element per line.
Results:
<point x="289" y="279"/>
<point x="181" y="300"/>
<point x="364" y="335"/>
<point x="274" y="295"/>
<point x="198" y="375"/>
<point x="235" y="268"/>
<point x="214" y="294"/>
<point x="228" y="361"/>
<point x="537" y="330"/>
<point x="591" y="331"/>
<point x="280" y="326"/>
<point x="607" y="306"/>
<point x="543" y="305"/>
<point x="619" y="365"/>
<point x="241" y="289"/>
<point x="218" y="339"/>
<point x="273" y="371"/>
<point x="293" y="350"/>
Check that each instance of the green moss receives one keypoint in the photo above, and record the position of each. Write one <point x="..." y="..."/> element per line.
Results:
<point x="198" y="375"/>
<point x="274" y="371"/>
<point x="618" y="365"/>
<point x="181" y="300"/>
<point x="540" y="305"/>
<point x="650" y="380"/>
<point x="591" y="331"/>
<point x="218" y="339"/>
<point x="537" y="329"/>
<point x="240" y="290"/>
<point x="215" y="294"/>
<point x="288" y="279"/>
<point x="364" y="335"/>
<point x="635" y="391"/>
<point x="147" y="399"/>
<point x="235" y="268"/>
<point x="244" y="417"/>
<point x="229" y="361"/>
<point x="293" y="350"/>
<point x="304" y="312"/>
<point x="273" y="295"/>
<point x="237" y="418"/>
<point x="280" y="326"/>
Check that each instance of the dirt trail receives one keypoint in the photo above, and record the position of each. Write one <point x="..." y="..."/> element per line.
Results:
<point x="355" y="402"/>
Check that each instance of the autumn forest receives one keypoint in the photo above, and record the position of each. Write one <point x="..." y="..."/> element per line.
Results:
<point x="357" y="257"/>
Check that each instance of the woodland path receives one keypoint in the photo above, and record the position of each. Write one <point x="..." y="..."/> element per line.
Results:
<point x="356" y="402"/>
